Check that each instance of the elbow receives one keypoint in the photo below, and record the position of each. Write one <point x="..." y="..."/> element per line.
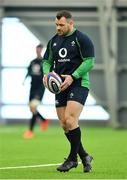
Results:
<point x="92" y="63"/>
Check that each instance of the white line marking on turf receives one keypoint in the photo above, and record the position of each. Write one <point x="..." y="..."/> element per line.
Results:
<point x="30" y="166"/>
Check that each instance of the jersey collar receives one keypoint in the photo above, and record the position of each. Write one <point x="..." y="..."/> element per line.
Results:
<point x="70" y="33"/>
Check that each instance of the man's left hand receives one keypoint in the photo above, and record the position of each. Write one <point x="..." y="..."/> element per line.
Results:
<point x="67" y="82"/>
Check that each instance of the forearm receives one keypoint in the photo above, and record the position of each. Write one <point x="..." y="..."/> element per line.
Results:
<point x="85" y="67"/>
<point x="46" y="67"/>
<point x="47" y="61"/>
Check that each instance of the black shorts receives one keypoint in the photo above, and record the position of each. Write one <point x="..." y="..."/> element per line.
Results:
<point x="73" y="93"/>
<point x="36" y="94"/>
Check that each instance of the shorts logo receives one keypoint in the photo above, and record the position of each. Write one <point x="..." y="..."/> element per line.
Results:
<point x="63" y="52"/>
<point x="71" y="95"/>
<point x="56" y="102"/>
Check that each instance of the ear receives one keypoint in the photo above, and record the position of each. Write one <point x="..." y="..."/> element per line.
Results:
<point x="71" y="22"/>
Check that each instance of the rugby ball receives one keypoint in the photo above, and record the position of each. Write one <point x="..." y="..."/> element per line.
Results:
<point x="54" y="82"/>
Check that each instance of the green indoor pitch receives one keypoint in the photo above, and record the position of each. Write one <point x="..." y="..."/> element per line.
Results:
<point x="38" y="158"/>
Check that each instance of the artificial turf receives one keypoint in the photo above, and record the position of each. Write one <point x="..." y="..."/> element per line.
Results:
<point x="106" y="145"/>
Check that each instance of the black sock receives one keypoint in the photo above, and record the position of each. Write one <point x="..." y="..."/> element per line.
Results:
<point x="75" y="136"/>
<point x="32" y="122"/>
<point x="82" y="153"/>
<point x="40" y="116"/>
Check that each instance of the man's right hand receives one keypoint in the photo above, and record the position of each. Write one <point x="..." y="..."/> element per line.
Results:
<point x="45" y="80"/>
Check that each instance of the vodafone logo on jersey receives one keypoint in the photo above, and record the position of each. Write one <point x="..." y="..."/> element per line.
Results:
<point x="63" y="52"/>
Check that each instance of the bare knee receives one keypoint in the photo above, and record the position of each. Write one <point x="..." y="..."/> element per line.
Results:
<point x="33" y="104"/>
<point x="33" y="110"/>
<point x="63" y="125"/>
<point x="70" y="122"/>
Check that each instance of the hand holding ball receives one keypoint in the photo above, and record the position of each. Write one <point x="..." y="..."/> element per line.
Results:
<point x="53" y="82"/>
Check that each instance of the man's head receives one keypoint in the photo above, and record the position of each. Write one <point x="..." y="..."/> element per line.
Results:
<point x="39" y="48"/>
<point x="64" y="22"/>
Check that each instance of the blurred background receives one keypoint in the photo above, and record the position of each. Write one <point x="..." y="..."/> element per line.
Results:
<point x="24" y="24"/>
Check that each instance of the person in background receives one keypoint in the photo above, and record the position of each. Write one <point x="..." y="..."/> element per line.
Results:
<point x="71" y="54"/>
<point x="36" y="93"/>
